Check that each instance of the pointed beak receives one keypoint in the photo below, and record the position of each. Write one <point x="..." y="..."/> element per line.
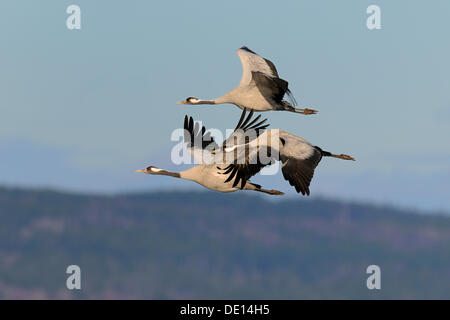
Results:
<point x="182" y="102"/>
<point x="141" y="170"/>
<point x="347" y="157"/>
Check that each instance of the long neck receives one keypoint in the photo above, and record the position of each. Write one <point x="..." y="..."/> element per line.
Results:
<point x="194" y="174"/>
<point x="168" y="173"/>
<point x="226" y="98"/>
<point x="206" y="102"/>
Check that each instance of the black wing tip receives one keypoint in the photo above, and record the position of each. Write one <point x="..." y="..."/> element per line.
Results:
<point x="245" y="48"/>
<point x="299" y="173"/>
<point x="246" y="123"/>
<point x="193" y="131"/>
<point x="188" y="124"/>
<point x="300" y="189"/>
<point x="291" y="97"/>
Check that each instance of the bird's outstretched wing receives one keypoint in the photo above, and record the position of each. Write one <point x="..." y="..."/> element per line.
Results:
<point x="272" y="88"/>
<point x="242" y="172"/>
<point x="198" y="142"/>
<point x="240" y="156"/>
<point x="252" y="62"/>
<point x="262" y="71"/>
<point x="246" y="130"/>
<point x="299" y="160"/>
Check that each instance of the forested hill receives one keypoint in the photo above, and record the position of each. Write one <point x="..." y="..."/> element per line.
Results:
<point x="212" y="245"/>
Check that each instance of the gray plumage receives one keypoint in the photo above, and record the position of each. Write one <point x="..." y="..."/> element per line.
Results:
<point x="249" y="148"/>
<point x="299" y="159"/>
<point x="260" y="89"/>
<point x="208" y="154"/>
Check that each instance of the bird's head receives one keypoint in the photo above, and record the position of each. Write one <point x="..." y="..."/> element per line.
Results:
<point x="190" y="100"/>
<point x="150" y="170"/>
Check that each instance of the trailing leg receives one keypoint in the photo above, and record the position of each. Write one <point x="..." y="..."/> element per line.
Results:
<point x="257" y="187"/>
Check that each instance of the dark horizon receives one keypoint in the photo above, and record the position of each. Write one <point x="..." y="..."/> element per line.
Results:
<point x="200" y="191"/>
<point x="202" y="245"/>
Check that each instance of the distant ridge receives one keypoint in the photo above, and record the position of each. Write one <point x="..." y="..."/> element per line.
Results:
<point x="211" y="245"/>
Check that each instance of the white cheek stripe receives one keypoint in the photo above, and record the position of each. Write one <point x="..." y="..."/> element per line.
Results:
<point x="156" y="169"/>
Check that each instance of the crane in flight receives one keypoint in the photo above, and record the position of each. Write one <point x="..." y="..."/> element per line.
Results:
<point x="260" y="89"/>
<point x="228" y="168"/>
<point x="201" y="146"/>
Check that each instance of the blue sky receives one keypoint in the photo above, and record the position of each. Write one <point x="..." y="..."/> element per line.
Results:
<point x="82" y="109"/>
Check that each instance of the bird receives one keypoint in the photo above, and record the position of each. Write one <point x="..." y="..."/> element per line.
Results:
<point x="298" y="157"/>
<point x="228" y="168"/>
<point x="203" y="149"/>
<point x="260" y="89"/>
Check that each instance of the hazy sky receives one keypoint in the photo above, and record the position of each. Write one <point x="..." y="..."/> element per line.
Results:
<point x="82" y="109"/>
